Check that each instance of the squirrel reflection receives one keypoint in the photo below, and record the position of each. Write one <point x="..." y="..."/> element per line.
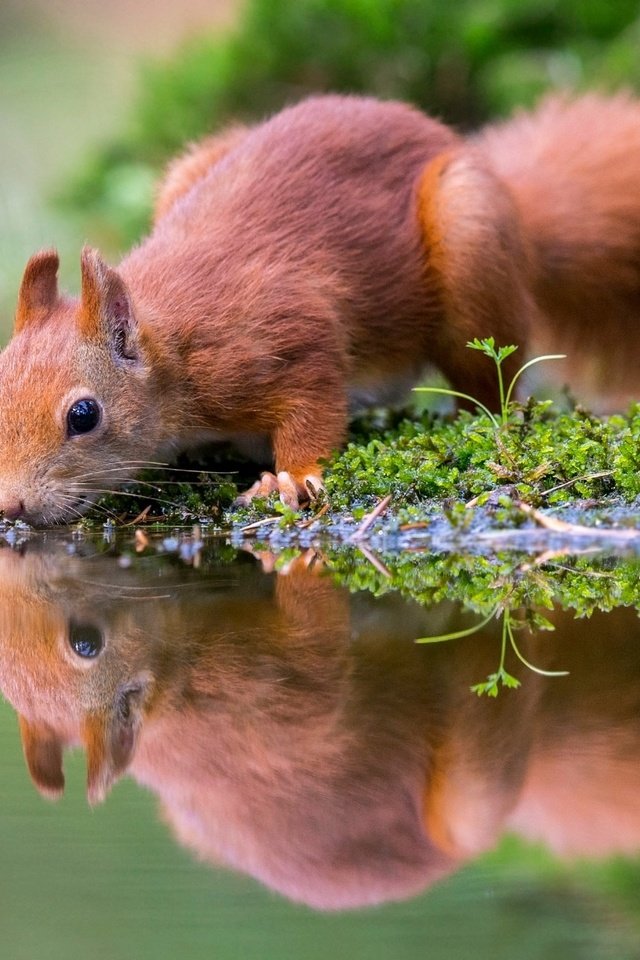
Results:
<point x="301" y="736"/>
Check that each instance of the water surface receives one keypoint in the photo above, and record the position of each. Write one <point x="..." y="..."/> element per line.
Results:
<point x="251" y="759"/>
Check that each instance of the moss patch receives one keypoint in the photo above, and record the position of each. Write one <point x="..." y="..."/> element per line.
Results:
<point x="461" y="471"/>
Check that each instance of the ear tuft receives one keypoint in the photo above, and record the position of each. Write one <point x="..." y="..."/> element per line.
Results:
<point x="106" y="313"/>
<point x="43" y="753"/>
<point x="101" y="771"/>
<point x="38" y="291"/>
<point x="111" y="738"/>
<point x="92" y="270"/>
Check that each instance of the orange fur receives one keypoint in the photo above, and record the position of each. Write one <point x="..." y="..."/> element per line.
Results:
<point x="194" y="164"/>
<point x="318" y="261"/>
<point x="478" y="262"/>
<point x="572" y="171"/>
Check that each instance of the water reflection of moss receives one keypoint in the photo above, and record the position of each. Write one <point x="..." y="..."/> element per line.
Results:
<point x="508" y="587"/>
<point x="507" y="579"/>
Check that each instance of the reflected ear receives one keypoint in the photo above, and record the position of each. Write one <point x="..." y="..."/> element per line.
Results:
<point x="110" y="739"/>
<point x="106" y="313"/>
<point x="38" y="291"/>
<point x="43" y="753"/>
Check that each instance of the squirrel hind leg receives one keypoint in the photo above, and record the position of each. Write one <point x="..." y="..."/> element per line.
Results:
<point x="186" y="170"/>
<point x="477" y="261"/>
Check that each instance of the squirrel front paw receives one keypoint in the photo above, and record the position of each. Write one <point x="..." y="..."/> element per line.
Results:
<point x="295" y="489"/>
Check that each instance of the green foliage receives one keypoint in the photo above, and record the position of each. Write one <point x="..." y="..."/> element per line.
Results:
<point x="532" y="454"/>
<point x="498" y="355"/>
<point x="434" y="467"/>
<point x="537" y="456"/>
<point x="165" y="496"/>
<point x="465" y="62"/>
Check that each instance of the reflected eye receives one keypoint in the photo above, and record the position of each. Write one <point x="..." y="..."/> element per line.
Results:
<point x="85" y="639"/>
<point x="83" y="416"/>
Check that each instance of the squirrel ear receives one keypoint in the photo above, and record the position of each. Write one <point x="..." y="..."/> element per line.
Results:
<point x="110" y="738"/>
<point x="105" y="308"/>
<point x="43" y="753"/>
<point x="38" y="290"/>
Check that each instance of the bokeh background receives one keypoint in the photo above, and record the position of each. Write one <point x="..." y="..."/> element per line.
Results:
<point x="69" y="82"/>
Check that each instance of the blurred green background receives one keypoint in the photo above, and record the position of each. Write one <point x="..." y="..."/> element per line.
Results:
<point x="86" y="123"/>
<point x="68" y="78"/>
<point x="466" y="62"/>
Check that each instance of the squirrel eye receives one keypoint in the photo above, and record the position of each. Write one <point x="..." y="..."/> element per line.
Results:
<point x="83" y="416"/>
<point x="85" y="639"/>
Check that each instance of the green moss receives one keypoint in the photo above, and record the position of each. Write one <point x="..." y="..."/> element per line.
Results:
<point x="539" y="456"/>
<point x="428" y="463"/>
<point x="527" y="454"/>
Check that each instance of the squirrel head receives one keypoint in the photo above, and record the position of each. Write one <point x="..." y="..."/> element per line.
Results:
<point x="75" y="393"/>
<point x="73" y="665"/>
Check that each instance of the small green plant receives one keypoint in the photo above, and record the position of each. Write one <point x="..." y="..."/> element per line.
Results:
<point x="498" y="355"/>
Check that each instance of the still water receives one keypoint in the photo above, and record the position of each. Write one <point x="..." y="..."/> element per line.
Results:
<point x="210" y="752"/>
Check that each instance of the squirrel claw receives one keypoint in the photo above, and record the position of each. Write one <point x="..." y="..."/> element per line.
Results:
<point x="293" y="493"/>
<point x="261" y="488"/>
<point x="298" y="493"/>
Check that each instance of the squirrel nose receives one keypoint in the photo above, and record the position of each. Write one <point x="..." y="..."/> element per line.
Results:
<point x="12" y="509"/>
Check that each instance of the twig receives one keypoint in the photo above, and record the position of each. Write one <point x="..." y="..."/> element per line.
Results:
<point x="259" y="523"/>
<point x="311" y="520"/>
<point x="576" y="529"/>
<point x="548" y="555"/>
<point x="140" y="518"/>
<point x="568" y="483"/>
<point x="375" y="561"/>
<point x="371" y="518"/>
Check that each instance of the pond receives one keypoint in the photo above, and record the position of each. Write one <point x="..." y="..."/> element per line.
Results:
<point x="251" y="756"/>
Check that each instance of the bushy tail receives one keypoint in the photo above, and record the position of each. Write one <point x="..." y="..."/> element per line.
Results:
<point x="533" y="234"/>
<point x="573" y="170"/>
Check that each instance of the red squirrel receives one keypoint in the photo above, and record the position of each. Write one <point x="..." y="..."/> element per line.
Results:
<point x="313" y="262"/>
